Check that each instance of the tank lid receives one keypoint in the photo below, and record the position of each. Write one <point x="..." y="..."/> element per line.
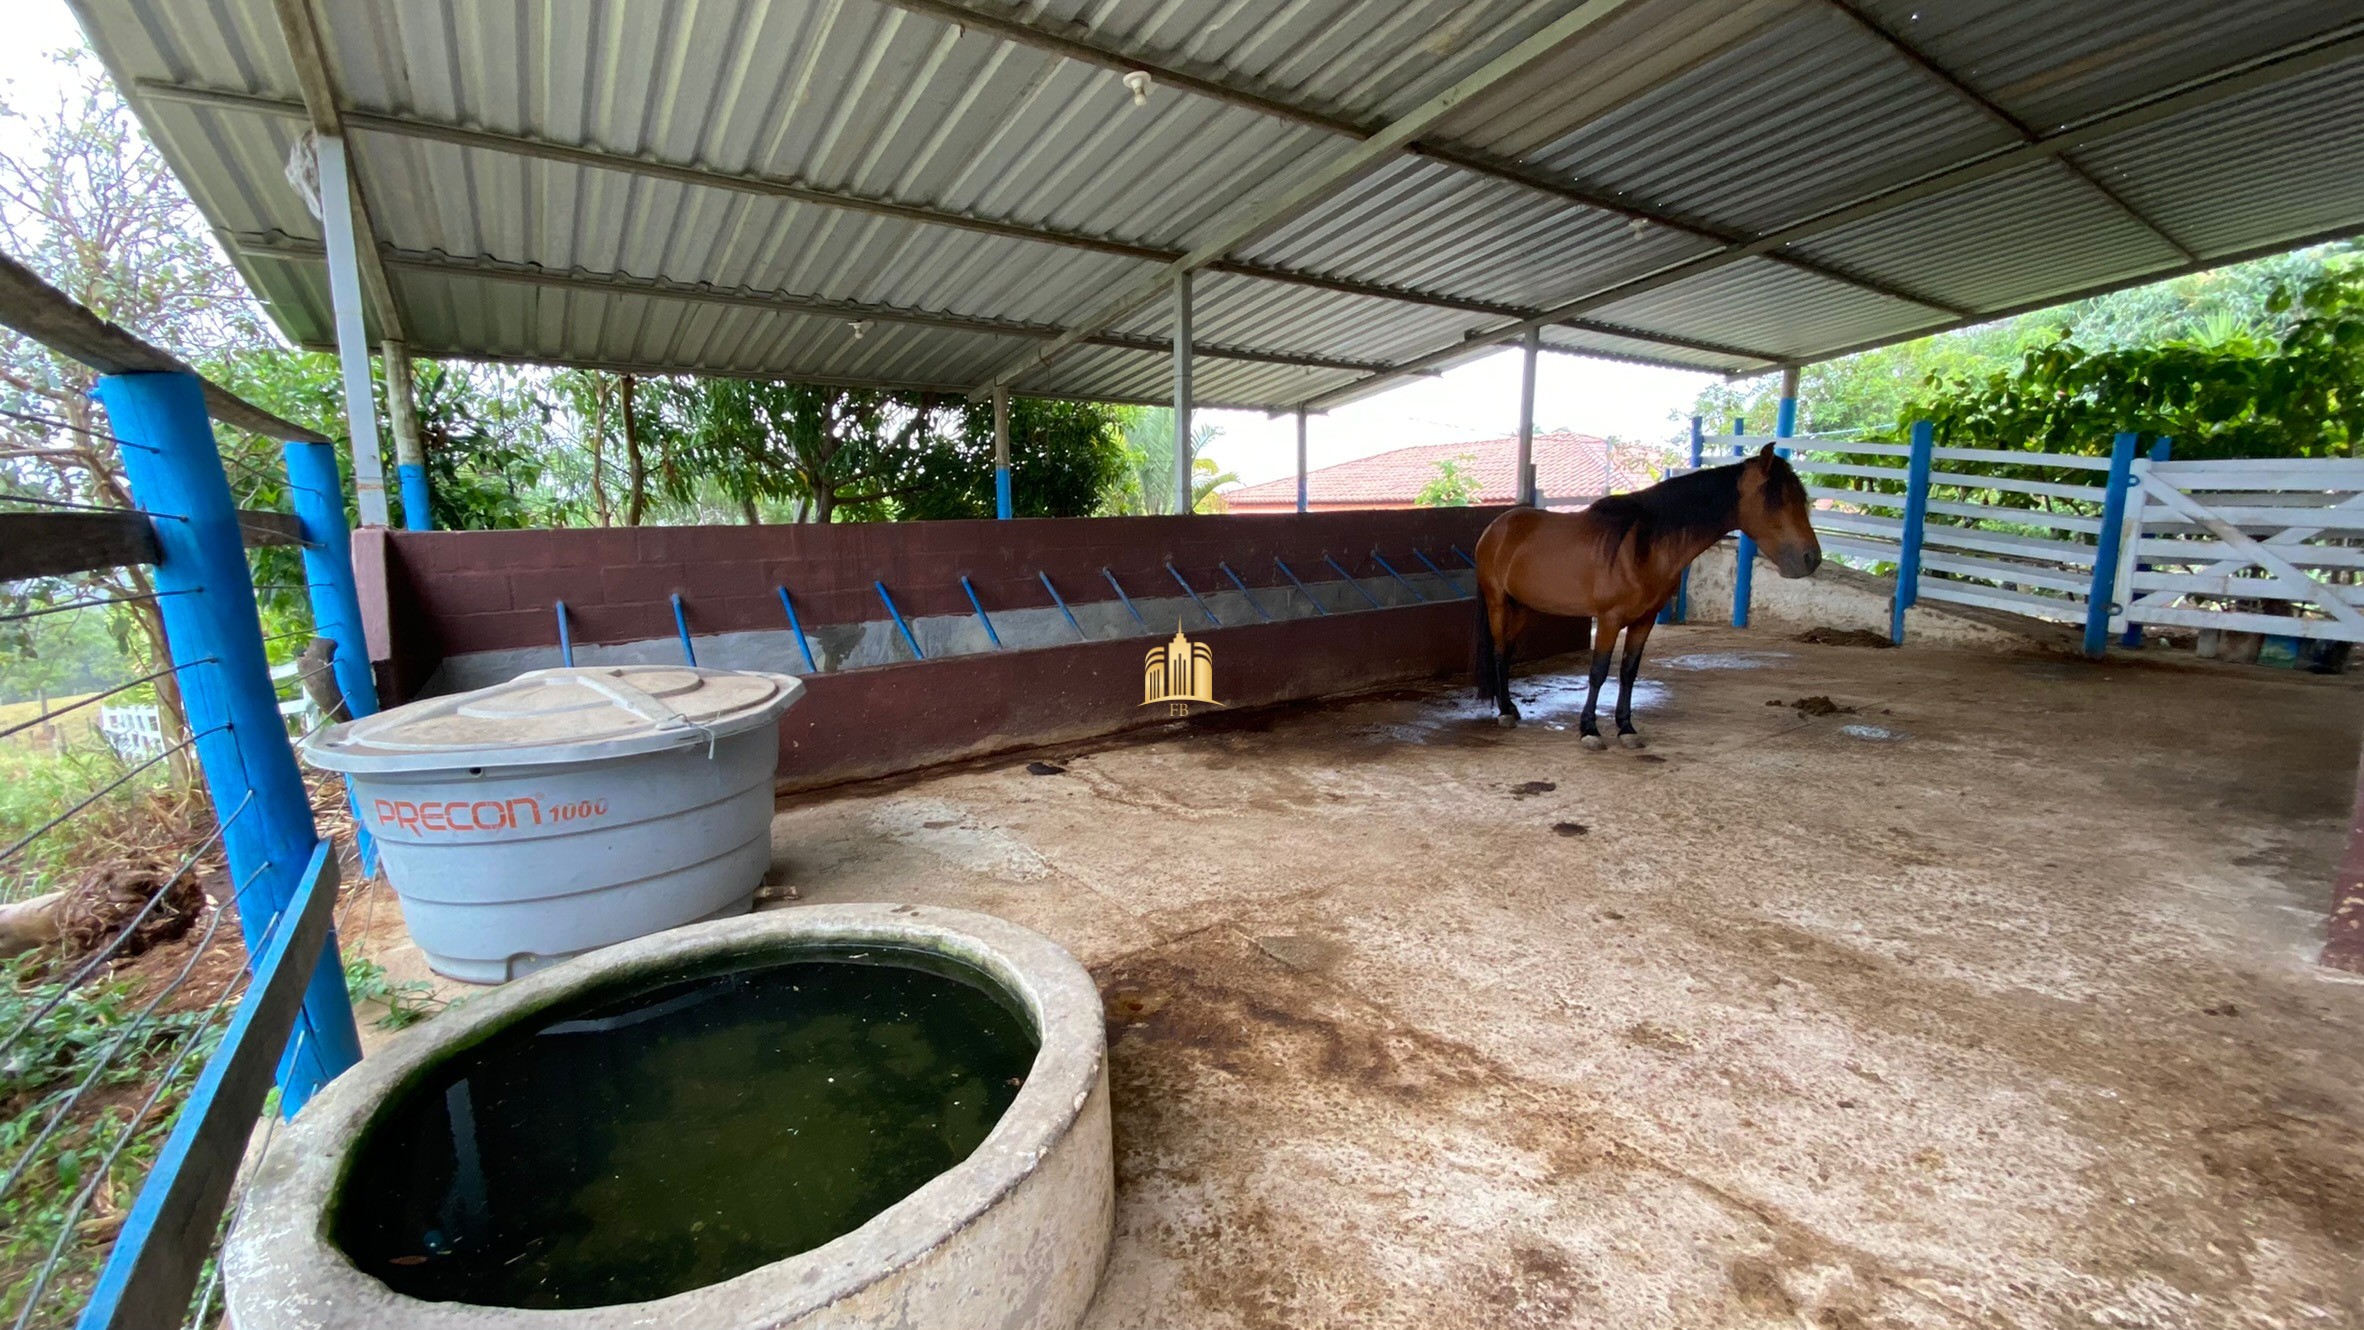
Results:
<point x="561" y="715"/>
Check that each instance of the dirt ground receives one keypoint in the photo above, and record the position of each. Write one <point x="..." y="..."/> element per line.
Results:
<point x="1988" y="1002"/>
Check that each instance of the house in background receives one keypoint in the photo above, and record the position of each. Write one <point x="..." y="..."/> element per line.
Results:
<point x="1571" y="469"/>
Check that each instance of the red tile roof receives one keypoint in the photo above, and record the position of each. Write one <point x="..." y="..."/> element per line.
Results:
<point x="1567" y="464"/>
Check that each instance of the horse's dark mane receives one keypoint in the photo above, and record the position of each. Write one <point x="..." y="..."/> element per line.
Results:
<point x="1699" y="504"/>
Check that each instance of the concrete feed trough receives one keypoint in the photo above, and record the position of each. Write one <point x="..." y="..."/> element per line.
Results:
<point x="1013" y="1236"/>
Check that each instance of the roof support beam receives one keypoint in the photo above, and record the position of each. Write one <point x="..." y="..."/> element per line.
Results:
<point x="779" y="302"/>
<point x="2027" y="133"/>
<point x="1022" y="33"/>
<point x="1266" y="215"/>
<point x="2339" y="46"/>
<point x="769" y="187"/>
<point x="300" y="25"/>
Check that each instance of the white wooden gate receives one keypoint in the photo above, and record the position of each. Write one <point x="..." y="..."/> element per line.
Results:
<point x="2259" y="546"/>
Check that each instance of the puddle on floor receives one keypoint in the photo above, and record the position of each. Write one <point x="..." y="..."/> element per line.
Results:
<point x="1878" y="734"/>
<point x="1717" y="660"/>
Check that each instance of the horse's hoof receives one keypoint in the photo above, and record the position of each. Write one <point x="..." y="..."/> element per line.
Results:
<point x="1632" y="741"/>
<point x="1507" y="722"/>
<point x="1593" y="742"/>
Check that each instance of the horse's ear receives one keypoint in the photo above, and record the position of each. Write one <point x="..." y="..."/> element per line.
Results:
<point x="1766" y="452"/>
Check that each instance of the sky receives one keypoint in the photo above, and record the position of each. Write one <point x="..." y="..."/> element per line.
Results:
<point x="1478" y="400"/>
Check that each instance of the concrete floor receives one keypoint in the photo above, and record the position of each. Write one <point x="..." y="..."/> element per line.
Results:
<point x="2007" y="1019"/>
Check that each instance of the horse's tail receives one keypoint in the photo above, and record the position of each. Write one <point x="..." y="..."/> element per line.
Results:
<point x="1488" y="663"/>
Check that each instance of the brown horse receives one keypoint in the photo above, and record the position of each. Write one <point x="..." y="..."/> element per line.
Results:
<point x="1617" y="562"/>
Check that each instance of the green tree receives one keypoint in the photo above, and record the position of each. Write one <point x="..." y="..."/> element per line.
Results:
<point x="1451" y="487"/>
<point x="1145" y="484"/>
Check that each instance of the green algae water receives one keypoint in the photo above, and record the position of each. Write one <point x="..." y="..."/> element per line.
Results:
<point x="686" y="1128"/>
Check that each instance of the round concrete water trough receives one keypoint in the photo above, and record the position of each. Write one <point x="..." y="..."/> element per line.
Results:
<point x="1013" y="1237"/>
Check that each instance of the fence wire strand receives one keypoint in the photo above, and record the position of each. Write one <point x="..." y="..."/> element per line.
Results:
<point x="118" y="783"/>
<point x="80" y="703"/>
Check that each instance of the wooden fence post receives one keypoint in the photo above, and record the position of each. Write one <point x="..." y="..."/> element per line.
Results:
<point x="1916" y="518"/>
<point x="2107" y="543"/>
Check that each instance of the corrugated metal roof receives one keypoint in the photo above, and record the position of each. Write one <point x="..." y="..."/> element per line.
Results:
<point x="732" y="185"/>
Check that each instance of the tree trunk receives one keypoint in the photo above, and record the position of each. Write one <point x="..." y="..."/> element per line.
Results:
<point x="636" y="503"/>
<point x="599" y="503"/>
<point x="754" y="517"/>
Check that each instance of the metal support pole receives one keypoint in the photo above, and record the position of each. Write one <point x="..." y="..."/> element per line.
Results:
<point x="1301" y="494"/>
<point x="1001" y="454"/>
<point x="410" y="454"/>
<point x="344" y="292"/>
<point x="2161" y="448"/>
<point x="207" y="601"/>
<point x="1389" y="569"/>
<point x="1245" y="594"/>
<point x="2104" y="589"/>
<point x="1352" y="581"/>
<point x="1681" y="587"/>
<point x="566" y="637"/>
<point x="1524" y="476"/>
<point x="1785" y="416"/>
<point x="1744" y="557"/>
<point x="1192" y="592"/>
<point x="1118" y="588"/>
<point x="1446" y="577"/>
<point x="1182" y="457"/>
<point x="1916" y="519"/>
<point x="319" y="501"/>
<point x="1061" y="602"/>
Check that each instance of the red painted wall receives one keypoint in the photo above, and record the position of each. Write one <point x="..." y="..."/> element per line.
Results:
<point x="426" y="595"/>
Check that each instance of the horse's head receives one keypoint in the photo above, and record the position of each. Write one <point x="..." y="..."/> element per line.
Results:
<point x="1775" y="514"/>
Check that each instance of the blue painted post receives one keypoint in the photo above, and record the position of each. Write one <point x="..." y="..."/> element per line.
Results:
<point x="319" y="500"/>
<point x="1464" y="555"/>
<point x="979" y="607"/>
<point x="798" y="628"/>
<point x="897" y="616"/>
<point x="1128" y="600"/>
<point x="1245" y="594"/>
<point x="689" y="654"/>
<point x="1916" y="520"/>
<point x="1744" y="559"/>
<point x="2161" y="448"/>
<point x="566" y="638"/>
<point x="1360" y="589"/>
<point x="2103" y="590"/>
<point x="416" y="515"/>
<point x="1192" y="592"/>
<point x="1001" y="455"/>
<point x="1291" y="574"/>
<point x="1061" y="602"/>
<point x="208" y="607"/>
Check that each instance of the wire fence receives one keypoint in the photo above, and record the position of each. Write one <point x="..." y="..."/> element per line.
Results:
<point x="174" y="807"/>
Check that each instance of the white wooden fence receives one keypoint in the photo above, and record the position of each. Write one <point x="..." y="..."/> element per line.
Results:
<point x="2267" y="546"/>
<point x="136" y="730"/>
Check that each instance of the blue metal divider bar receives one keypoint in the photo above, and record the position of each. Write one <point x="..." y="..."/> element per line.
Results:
<point x="897" y="615"/>
<point x="1916" y="518"/>
<point x="154" y="1266"/>
<point x="979" y="607"/>
<point x="1128" y="600"/>
<point x="1292" y="576"/>
<point x="1192" y="592"/>
<point x="797" y="628"/>
<point x="2104" y="588"/>
<point x="566" y="639"/>
<point x="689" y="653"/>
<point x="1464" y="556"/>
<point x="1061" y="602"/>
<point x="1245" y="594"/>
<point x="1441" y="573"/>
<point x="174" y="466"/>
<point x="1391" y="572"/>
<point x="1360" y="589"/>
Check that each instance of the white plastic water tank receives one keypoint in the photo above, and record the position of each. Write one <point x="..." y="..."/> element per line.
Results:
<point x="567" y="809"/>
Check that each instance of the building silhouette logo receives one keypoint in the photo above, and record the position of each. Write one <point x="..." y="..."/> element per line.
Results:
<point x="1177" y="674"/>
